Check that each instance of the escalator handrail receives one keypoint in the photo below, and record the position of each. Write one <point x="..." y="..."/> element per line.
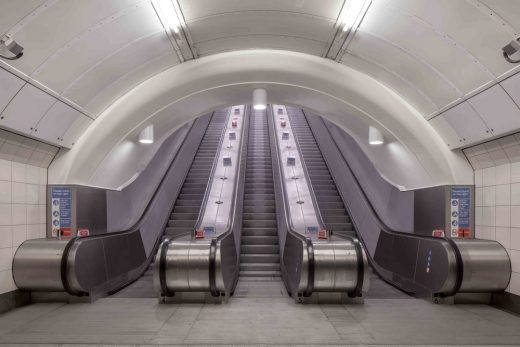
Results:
<point x="307" y="241"/>
<point x="233" y="211"/>
<point x="381" y="224"/>
<point x="204" y="202"/>
<point x="308" y="178"/>
<point x="137" y="225"/>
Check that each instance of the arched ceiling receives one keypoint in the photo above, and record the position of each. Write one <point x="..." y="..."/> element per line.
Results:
<point x="442" y="57"/>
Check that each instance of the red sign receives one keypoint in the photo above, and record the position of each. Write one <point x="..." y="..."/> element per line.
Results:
<point x="199" y="234"/>
<point x="438" y="233"/>
<point x="322" y="234"/>
<point x="83" y="232"/>
<point x="464" y="232"/>
<point x="66" y="231"/>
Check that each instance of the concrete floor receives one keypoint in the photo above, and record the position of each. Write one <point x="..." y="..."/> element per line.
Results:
<point x="259" y="313"/>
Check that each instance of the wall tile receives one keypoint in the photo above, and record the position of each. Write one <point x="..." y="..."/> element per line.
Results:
<point x="33" y="231"/>
<point x="515" y="238"/>
<point x="6" y="236"/>
<point x="19" y="234"/>
<point x="515" y="260"/>
<point x="515" y="216"/>
<point x="33" y="174"/>
<point x="43" y="230"/>
<point x="42" y="214"/>
<point x="478" y="178"/>
<point x="6" y="281"/>
<point x="33" y="193"/>
<point x="479" y="234"/>
<point x="5" y="192"/>
<point x="19" y="214"/>
<point x="5" y="214"/>
<point x="503" y="195"/>
<point x="488" y="176"/>
<point x="43" y="176"/>
<point x="19" y="193"/>
<point x="478" y="215"/>
<point x="503" y="174"/>
<point x="478" y="197"/>
<point x="21" y="202"/>
<point x="5" y="170"/>
<point x="488" y="216"/>
<point x="19" y="172"/>
<point x="6" y="259"/>
<point x="33" y="214"/>
<point x="515" y="194"/>
<point x="488" y="233"/>
<point x="42" y="194"/>
<point x="515" y="172"/>
<point x="503" y="235"/>
<point x="502" y="216"/>
<point x="488" y="196"/>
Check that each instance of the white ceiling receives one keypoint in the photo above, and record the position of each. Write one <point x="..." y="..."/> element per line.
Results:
<point x="83" y="55"/>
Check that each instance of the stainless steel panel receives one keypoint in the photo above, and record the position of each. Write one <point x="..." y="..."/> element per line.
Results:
<point x="487" y="267"/>
<point x="37" y="265"/>
<point x="336" y="266"/>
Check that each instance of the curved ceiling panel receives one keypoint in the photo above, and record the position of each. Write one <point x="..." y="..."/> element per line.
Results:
<point x="433" y="48"/>
<point x="114" y="66"/>
<point x="96" y="44"/>
<point x="297" y="44"/>
<point x="12" y="12"/>
<point x="407" y="90"/>
<point x="508" y="10"/>
<point x="472" y="28"/>
<point x="197" y="9"/>
<point x="404" y="65"/>
<point x="110" y="93"/>
<point x="51" y="30"/>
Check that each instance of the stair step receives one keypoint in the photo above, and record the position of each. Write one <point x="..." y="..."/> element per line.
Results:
<point x="259" y="249"/>
<point x="259" y="274"/>
<point x="259" y="223"/>
<point x="259" y="267"/>
<point x="259" y="216"/>
<point x="260" y="240"/>
<point x="259" y="209"/>
<point x="260" y="258"/>
<point x="259" y="232"/>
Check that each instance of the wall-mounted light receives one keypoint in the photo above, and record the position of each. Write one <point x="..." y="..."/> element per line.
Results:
<point x="259" y="99"/>
<point x="375" y="137"/>
<point x="168" y="15"/>
<point x="352" y="11"/>
<point x="146" y="135"/>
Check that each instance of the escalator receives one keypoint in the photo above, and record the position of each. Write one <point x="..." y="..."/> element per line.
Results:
<point x="331" y="206"/>
<point x="332" y="209"/>
<point x="188" y="204"/>
<point x="423" y="266"/>
<point x="260" y="250"/>
<point x="120" y="263"/>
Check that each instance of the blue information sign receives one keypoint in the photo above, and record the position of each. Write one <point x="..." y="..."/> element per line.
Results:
<point x="61" y="199"/>
<point x="460" y="211"/>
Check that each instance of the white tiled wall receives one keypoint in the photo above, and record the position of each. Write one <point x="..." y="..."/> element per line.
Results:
<point x="22" y="212"/>
<point x="497" y="211"/>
